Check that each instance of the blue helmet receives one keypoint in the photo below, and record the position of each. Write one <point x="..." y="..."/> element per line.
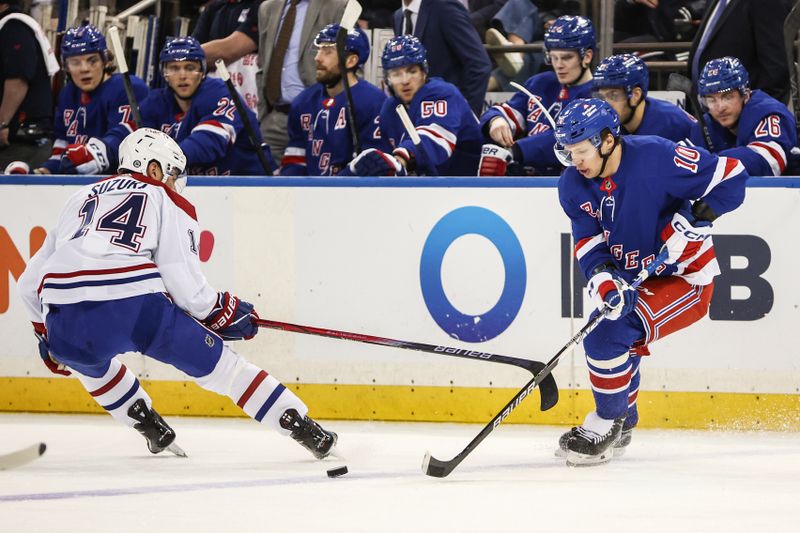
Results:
<point x="182" y="49"/>
<point x="721" y="75"/>
<point x="570" y="33"/>
<point x="624" y="70"/>
<point x="85" y="39"/>
<point x="357" y="42"/>
<point x="586" y="118"/>
<point x="404" y="50"/>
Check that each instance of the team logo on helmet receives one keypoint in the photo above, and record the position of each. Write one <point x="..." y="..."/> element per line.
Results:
<point x="404" y="50"/>
<point x="182" y="49"/>
<point x="84" y="39"/>
<point x="356" y="43"/>
<point x="722" y="75"/>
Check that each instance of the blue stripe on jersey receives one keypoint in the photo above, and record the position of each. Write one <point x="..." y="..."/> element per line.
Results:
<point x="99" y="282"/>
<point x="270" y="401"/>
<point x="125" y="397"/>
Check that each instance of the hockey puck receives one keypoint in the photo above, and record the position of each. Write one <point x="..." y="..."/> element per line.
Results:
<point x="336" y="472"/>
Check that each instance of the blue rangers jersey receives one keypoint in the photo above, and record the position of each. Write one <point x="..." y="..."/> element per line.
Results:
<point x="766" y="133"/>
<point x="447" y="127"/>
<point x="665" y="120"/>
<point x="320" y="142"/>
<point x="529" y="125"/>
<point x="619" y="219"/>
<point x="210" y="133"/>
<point x="81" y="116"/>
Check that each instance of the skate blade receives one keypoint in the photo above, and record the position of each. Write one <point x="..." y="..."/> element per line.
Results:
<point x="177" y="450"/>
<point x="579" y="459"/>
<point x="562" y="454"/>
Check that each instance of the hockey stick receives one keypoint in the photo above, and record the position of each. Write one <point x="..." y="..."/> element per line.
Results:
<point x="537" y="101"/>
<point x="548" y="389"/>
<point x="413" y="135"/>
<point x="222" y="70"/>
<point x="435" y="468"/>
<point x="679" y="82"/>
<point x="791" y="25"/>
<point x="351" y="13"/>
<point x="22" y="457"/>
<point x="119" y="55"/>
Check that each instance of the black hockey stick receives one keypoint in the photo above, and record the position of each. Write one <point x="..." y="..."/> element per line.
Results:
<point x="790" y="28"/>
<point x="548" y="389"/>
<point x="119" y="55"/>
<point x="679" y="82"/>
<point x="259" y="147"/>
<point x="351" y="13"/>
<point x="411" y="131"/>
<point x="435" y="468"/>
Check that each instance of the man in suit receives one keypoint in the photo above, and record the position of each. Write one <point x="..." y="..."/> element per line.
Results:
<point x="751" y="31"/>
<point x="286" y="30"/>
<point x="455" y="52"/>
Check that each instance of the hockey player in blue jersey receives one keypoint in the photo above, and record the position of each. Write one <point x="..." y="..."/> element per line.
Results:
<point x="748" y="125"/>
<point x="120" y="273"/>
<point x="569" y="47"/>
<point x="622" y="81"/>
<point x="198" y="112"/>
<point x="450" y="138"/>
<point x="320" y="139"/>
<point x="629" y="197"/>
<point x="90" y="107"/>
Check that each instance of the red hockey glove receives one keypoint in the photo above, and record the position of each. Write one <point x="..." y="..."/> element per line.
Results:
<point x="494" y="160"/>
<point x="89" y="158"/>
<point x="17" y="167"/>
<point x="684" y="236"/>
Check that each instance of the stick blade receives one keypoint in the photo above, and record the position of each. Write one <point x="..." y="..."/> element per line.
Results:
<point x="22" y="457"/>
<point x="548" y="389"/>
<point x="433" y="467"/>
<point x="679" y="82"/>
<point x="351" y="13"/>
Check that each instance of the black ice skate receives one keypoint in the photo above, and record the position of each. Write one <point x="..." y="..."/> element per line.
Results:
<point x="155" y="430"/>
<point x="585" y="447"/>
<point x="619" y="446"/>
<point x="308" y="433"/>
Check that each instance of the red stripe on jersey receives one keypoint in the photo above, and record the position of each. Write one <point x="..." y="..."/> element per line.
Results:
<point x="252" y="388"/>
<point x="99" y="272"/>
<point x="293" y="160"/>
<point x="613" y="383"/>
<point x="774" y="153"/>
<point x="632" y="397"/>
<point x="452" y="145"/>
<point x="509" y="112"/>
<point x="730" y="165"/>
<point x="111" y="384"/>
<point x="58" y="151"/>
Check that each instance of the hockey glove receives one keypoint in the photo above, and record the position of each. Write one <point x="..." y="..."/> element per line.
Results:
<point x="373" y="162"/>
<point x="232" y="318"/>
<point x="17" y="167"/>
<point x="609" y="291"/>
<point x="89" y="158"/>
<point x="494" y="160"/>
<point x="44" y="351"/>
<point x="684" y="236"/>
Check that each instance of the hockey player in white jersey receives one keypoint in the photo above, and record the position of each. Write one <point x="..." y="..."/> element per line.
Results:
<point x="120" y="273"/>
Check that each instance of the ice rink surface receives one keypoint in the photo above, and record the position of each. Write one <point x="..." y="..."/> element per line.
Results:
<point x="98" y="476"/>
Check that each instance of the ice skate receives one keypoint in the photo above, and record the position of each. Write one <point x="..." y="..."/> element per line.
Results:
<point x="155" y="430"/>
<point x="308" y="433"/>
<point x="619" y="446"/>
<point x="587" y="446"/>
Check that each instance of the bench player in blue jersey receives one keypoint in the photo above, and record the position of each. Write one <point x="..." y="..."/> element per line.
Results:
<point x="628" y="197"/>
<point x="320" y="139"/>
<point x="90" y="106"/>
<point x="120" y="273"/>
<point x="448" y="129"/>
<point x="622" y="81"/>
<point x="748" y="125"/>
<point x="518" y="130"/>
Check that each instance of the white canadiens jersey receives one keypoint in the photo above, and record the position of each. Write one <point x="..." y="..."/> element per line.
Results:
<point x="123" y="236"/>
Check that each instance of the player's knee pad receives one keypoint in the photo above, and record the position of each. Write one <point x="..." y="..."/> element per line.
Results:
<point x="116" y="391"/>
<point x="258" y="394"/>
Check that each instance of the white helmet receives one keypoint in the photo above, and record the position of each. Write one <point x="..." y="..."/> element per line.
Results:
<point x="144" y="145"/>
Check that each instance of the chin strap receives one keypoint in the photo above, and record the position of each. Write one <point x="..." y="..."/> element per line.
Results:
<point x="605" y="157"/>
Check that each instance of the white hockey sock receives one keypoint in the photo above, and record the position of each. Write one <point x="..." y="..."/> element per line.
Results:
<point x="260" y="395"/>
<point x="116" y="391"/>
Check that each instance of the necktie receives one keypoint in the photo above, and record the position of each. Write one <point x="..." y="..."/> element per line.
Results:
<point x="697" y="68"/>
<point x="409" y="24"/>
<point x="273" y="85"/>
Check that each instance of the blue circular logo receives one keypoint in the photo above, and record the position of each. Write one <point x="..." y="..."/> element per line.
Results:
<point x="478" y="221"/>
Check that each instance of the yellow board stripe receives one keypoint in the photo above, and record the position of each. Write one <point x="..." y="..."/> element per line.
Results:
<point x="695" y="410"/>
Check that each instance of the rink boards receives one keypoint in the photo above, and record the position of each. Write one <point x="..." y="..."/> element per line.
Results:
<point x="463" y="262"/>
